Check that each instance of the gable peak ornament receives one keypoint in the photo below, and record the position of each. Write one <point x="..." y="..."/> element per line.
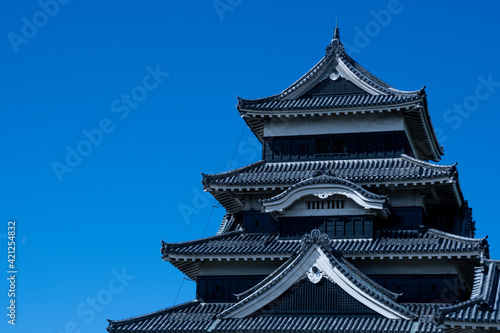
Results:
<point x="314" y="274"/>
<point x="315" y="236"/>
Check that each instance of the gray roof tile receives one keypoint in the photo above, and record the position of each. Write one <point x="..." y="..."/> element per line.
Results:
<point x="404" y="168"/>
<point x="332" y="102"/>
<point x="198" y="317"/>
<point x="385" y="242"/>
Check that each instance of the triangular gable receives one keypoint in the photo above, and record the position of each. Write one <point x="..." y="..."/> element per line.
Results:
<point x="323" y="296"/>
<point x="315" y="262"/>
<point x="332" y="86"/>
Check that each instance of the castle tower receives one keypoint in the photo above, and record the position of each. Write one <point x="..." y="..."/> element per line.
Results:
<point x="343" y="226"/>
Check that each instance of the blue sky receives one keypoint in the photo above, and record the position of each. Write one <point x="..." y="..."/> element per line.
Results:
<point x="153" y="85"/>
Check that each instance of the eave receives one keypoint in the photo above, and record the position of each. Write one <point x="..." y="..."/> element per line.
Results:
<point x="228" y="195"/>
<point x="238" y="246"/>
<point x="269" y="178"/>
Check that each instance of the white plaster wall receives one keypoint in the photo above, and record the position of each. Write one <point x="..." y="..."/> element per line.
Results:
<point x="406" y="198"/>
<point x="333" y="124"/>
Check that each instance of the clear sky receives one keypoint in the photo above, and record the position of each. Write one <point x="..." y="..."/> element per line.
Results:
<point x="145" y="93"/>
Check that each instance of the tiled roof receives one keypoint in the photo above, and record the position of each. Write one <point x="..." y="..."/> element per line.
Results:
<point x="199" y="317"/>
<point x="403" y="242"/>
<point x="328" y="102"/>
<point x="232" y="243"/>
<point x="385" y="242"/>
<point x="299" y="324"/>
<point x="314" y="324"/>
<point x="184" y="318"/>
<point x="483" y="307"/>
<point x="401" y="169"/>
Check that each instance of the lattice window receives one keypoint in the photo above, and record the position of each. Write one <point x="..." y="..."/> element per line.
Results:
<point x="323" y="297"/>
<point x="326" y="204"/>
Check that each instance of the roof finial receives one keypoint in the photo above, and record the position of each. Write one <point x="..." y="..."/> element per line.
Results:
<point x="336" y="34"/>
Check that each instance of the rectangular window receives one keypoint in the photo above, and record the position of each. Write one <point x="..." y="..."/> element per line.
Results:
<point x="277" y="150"/>
<point x="323" y="146"/>
<point x="338" y="146"/>
<point x="259" y="222"/>
<point x="334" y="227"/>
<point x="285" y="150"/>
<point x="325" y="204"/>
<point x="435" y="288"/>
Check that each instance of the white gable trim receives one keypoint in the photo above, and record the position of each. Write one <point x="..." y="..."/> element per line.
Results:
<point x="323" y="190"/>
<point x="314" y="257"/>
<point x="345" y="72"/>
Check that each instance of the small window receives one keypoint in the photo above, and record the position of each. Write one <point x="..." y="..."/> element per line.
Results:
<point x="326" y="204"/>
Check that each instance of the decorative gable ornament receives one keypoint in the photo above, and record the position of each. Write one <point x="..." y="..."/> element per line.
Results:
<point x="315" y="236"/>
<point x="314" y="274"/>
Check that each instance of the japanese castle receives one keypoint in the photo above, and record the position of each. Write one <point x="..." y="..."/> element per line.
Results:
<point x="343" y="226"/>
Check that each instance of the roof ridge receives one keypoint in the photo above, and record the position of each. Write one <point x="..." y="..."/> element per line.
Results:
<point x="457" y="237"/>
<point x="408" y="158"/>
<point x="459" y="306"/>
<point x="231" y="172"/>
<point x="201" y="240"/>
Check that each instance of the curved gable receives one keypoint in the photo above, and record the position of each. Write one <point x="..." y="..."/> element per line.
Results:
<point x="323" y="187"/>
